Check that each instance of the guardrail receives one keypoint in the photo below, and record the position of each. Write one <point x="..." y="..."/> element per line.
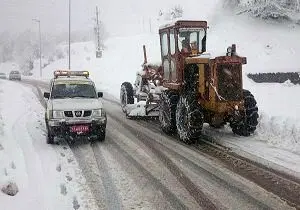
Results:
<point x="279" y="77"/>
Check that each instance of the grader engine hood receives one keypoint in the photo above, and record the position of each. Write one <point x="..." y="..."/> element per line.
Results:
<point x="225" y="77"/>
<point x="228" y="70"/>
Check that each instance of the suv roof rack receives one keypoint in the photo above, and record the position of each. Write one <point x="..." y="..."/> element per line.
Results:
<point x="67" y="73"/>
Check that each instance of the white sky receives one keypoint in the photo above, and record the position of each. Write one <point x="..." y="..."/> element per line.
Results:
<point x="119" y="16"/>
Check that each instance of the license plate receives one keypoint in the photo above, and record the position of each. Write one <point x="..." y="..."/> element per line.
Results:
<point x="79" y="128"/>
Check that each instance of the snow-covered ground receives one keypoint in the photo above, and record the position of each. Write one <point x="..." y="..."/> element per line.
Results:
<point x="269" y="47"/>
<point x="47" y="177"/>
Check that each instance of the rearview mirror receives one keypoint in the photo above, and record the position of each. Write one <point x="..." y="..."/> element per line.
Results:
<point x="100" y="94"/>
<point x="46" y="95"/>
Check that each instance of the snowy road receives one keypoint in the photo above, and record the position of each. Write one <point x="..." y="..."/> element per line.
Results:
<point x="135" y="168"/>
<point x="138" y="166"/>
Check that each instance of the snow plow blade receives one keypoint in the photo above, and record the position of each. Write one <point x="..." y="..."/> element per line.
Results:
<point x="142" y="110"/>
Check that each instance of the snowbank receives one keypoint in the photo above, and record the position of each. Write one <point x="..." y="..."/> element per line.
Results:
<point x="282" y="132"/>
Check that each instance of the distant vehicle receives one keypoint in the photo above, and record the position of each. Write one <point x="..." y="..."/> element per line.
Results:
<point x="27" y="73"/>
<point x="74" y="108"/>
<point x="14" y="75"/>
<point x="3" y="75"/>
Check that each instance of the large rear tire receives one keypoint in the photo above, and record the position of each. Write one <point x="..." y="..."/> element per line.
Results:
<point x="248" y="124"/>
<point x="126" y="95"/>
<point x="189" y="119"/>
<point x="167" y="111"/>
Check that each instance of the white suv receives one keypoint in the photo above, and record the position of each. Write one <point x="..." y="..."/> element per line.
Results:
<point x="74" y="107"/>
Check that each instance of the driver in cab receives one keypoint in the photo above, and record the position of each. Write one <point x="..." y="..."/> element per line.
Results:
<point x="186" y="48"/>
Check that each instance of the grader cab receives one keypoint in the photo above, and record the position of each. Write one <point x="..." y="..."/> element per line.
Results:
<point x="197" y="89"/>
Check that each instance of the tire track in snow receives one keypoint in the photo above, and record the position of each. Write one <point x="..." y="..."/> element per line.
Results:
<point x="120" y="154"/>
<point x="103" y="190"/>
<point x="281" y="184"/>
<point x="112" y="196"/>
<point x="200" y="168"/>
<point x="264" y="200"/>
<point x="194" y="191"/>
<point x="267" y="178"/>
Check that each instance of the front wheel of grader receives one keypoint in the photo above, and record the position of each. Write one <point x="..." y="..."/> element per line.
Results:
<point x="247" y="126"/>
<point x="126" y="95"/>
<point x="189" y="116"/>
<point x="189" y="119"/>
<point x="167" y="111"/>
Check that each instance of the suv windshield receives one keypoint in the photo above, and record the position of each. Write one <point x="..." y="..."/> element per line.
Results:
<point x="73" y="90"/>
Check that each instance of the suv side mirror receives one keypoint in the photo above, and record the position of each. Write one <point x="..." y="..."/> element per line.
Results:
<point x="100" y="94"/>
<point x="46" y="95"/>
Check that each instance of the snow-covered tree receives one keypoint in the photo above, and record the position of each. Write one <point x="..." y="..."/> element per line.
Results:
<point x="269" y="9"/>
<point x="171" y="14"/>
<point x="176" y="12"/>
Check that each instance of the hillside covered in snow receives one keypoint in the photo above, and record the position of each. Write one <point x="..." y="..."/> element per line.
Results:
<point x="279" y="10"/>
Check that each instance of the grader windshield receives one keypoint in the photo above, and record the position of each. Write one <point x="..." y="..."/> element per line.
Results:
<point x="192" y="40"/>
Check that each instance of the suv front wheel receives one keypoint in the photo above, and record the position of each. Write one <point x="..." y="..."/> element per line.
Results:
<point x="101" y="135"/>
<point x="50" y="138"/>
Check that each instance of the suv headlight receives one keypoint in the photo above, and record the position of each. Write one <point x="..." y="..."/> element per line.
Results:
<point x="98" y="113"/>
<point x="57" y="114"/>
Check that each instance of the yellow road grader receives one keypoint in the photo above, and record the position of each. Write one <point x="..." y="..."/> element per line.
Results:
<point x="190" y="87"/>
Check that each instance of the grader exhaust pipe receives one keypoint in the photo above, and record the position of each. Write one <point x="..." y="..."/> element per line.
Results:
<point x="145" y="54"/>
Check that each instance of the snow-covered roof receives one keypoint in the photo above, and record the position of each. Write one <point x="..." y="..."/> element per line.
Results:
<point x="213" y="54"/>
<point x="204" y="55"/>
<point x="173" y="22"/>
<point x="168" y="24"/>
